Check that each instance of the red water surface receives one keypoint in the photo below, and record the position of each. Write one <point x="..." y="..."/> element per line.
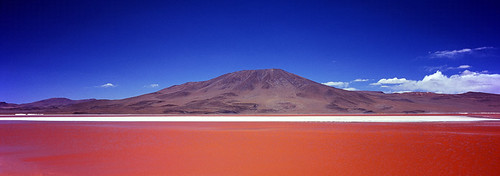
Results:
<point x="176" y="148"/>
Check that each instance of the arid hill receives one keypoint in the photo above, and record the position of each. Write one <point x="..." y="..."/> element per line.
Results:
<point x="264" y="92"/>
<point x="51" y="104"/>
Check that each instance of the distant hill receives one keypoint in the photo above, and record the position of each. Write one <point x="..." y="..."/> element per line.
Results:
<point x="267" y="91"/>
<point x="51" y="104"/>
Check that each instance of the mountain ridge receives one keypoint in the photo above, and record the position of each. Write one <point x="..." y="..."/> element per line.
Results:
<point x="270" y="91"/>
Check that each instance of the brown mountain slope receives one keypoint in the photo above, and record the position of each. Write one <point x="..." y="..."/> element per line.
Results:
<point x="249" y="91"/>
<point x="278" y="91"/>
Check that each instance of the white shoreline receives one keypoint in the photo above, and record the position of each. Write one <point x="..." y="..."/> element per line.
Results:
<point x="360" y="118"/>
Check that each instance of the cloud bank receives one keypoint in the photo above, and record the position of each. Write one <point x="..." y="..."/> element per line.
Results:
<point x="466" y="81"/>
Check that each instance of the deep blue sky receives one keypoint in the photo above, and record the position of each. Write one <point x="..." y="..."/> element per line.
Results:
<point x="71" y="49"/>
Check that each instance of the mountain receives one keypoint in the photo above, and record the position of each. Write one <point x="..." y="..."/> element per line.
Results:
<point x="7" y="105"/>
<point x="56" y="102"/>
<point x="51" y="104"/>
<point x="273" y="91"/>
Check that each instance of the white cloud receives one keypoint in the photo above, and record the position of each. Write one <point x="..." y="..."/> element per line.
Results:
<point x="450" y="54"/>
<point x="465" y="82"/>
<point x="361" y="80"/>
<point x="456" y="53"/>
<point x="463" y="66"/>
<point x="435" y="68"/>
<point x="107" y="85"/>
<point x="337" y="84"/>
<point x="340" y="85"/>
<point x="394" y="80"/>
<point x="350" y="88"/>
<point x="484" y="48"/>
<point x="446" y="68"/>
<point x="152" y="85"/>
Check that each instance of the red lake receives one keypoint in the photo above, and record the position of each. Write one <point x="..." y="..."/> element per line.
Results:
<point x="249" y="148"/>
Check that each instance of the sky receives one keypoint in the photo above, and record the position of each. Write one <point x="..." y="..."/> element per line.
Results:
<point x="119" y="49"/>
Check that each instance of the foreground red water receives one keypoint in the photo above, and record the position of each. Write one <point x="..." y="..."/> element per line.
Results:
<point x="175" y="148"/>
